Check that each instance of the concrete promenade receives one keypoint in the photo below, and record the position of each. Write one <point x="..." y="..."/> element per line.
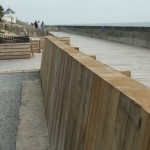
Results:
<point x="21" y="65"/>
<point x="118" y="56"/>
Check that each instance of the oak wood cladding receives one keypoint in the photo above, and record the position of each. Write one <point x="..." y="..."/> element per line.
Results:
<point x="15" y="51"/>
<point x="90" y="106"/>
<point x="37" y="44"/>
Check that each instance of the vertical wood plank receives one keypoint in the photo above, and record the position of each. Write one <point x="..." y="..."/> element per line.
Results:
<point x="136" y="125"/>
<point x="83" y="108"/>
<point x="70" y="116"/>
<point x="94" y="112"/>
<point x="104" y="111"/>
<point x="61" y="99"/>
<point x="89" y="110"/>
<point x="110" y="120"/>
<point x="121" y="122"/>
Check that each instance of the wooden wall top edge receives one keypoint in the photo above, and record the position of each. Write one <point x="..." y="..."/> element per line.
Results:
<point x="14" y="44"/>
<point x="133" y="89"/>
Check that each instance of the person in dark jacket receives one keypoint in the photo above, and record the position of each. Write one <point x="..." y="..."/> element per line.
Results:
<point x="36" y="24"/>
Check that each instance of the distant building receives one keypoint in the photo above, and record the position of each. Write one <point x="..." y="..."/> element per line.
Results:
<point x="9" y="16"/>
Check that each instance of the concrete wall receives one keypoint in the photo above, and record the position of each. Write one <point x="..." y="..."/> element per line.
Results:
<point x="138" y="36"/>
<point x="90" y="106"/>
<point x="19" y="30"/>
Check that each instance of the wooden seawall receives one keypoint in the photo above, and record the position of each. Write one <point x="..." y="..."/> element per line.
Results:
<point x="90" y="106"/>
<point x="15" y="51"/>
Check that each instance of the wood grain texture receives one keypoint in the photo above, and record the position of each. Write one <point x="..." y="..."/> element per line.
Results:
<point x="15" y="51"/>
<point x="93" y="56"/>
<point x="16" y="57"/>
<point x="90" y="106"/>
<point x="126" y="72"/>
<point x="14" y="46"/>
<point x="37" y="44"/>
<point x="94" y="112"/>
<point x="65" y="40"/>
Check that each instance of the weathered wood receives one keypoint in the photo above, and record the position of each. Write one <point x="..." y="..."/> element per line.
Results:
<point x="15" y="51"/>
<point x="61" y="104"/>
<point x="94" y="112"/>
<point x="14" y="46"/>
<point x="15" y="57"/>
<point x="13" y="39"/>
<point x="37" y="44"/>
<point x="126" y="72"/>
<point x="90" y="106"/>
<point x="113" y="54"/>
<point x="77" y="48"/>
<point x="65" y="40"/>
<point x="146" y="143"/>
<point x="93" y="56"/>
<point x="62" y="38"/>
<point x="121" y="122"/>
<point x="136" y="126"/>
<point x="42" y="39"/>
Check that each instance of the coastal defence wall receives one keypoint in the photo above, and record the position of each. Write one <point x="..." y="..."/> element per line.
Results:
<point x="90" y="106"/>
<point x="20" y="30"/>
<point x="137" y="36"/>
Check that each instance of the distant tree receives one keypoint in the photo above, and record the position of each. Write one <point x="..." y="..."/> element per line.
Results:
<point x="1" y="12"/>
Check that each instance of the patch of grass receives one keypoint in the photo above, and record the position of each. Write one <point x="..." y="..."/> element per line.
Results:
<point x="21" y="23"/>
<point x="2" y="31"/>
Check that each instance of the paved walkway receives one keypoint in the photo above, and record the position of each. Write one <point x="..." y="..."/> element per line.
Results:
<point x="118" y="56"/>
<point x="21" y="65"/>
<point x="32" y="129"/>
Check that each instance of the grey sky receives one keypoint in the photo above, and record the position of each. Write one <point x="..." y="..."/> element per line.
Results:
<point x="80" y="11"/>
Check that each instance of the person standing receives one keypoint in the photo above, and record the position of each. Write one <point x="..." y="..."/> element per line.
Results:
<point x="42" y="25"/>
<point x="36" y="24"/>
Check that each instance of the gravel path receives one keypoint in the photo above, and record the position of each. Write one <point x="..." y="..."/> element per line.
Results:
<point x="10" y="95"/>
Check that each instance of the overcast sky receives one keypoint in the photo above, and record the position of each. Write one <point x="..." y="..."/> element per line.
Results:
<point x="59" y="12"/>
